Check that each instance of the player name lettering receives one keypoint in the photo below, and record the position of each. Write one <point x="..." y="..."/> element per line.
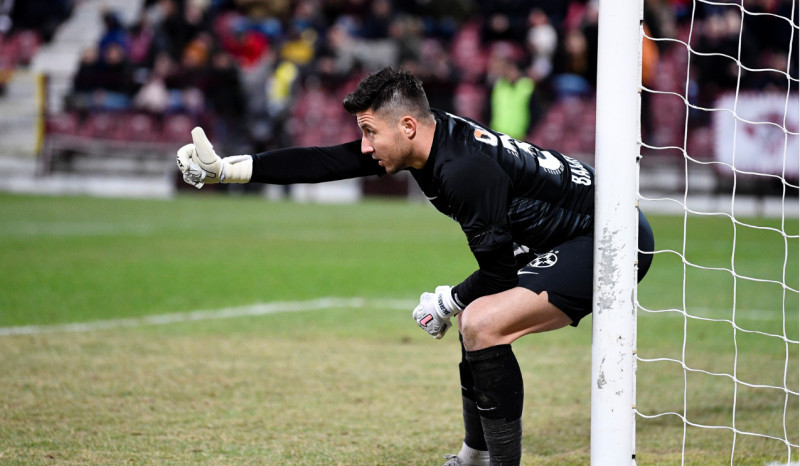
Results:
<point x="580" y="175"/>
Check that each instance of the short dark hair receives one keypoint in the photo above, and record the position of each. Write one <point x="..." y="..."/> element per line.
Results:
<point x="392" y="90"/>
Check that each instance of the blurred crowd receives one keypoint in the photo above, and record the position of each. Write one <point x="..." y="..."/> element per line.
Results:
<point x="41" y="17"/>
<point x="264" y="73"/>
<point x="24" y="26"/>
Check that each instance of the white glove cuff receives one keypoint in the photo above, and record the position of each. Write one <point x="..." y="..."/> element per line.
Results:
<point x="444" y="296"/>
<point x="237" y="169"/>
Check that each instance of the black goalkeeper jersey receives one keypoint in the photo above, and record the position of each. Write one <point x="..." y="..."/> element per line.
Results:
<point x="503" y="192"/>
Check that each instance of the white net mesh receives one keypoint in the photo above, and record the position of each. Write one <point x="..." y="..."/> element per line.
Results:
<point x="717" y="375"/>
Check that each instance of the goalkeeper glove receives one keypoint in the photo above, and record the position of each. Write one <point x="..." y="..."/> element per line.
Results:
<point x="200" y="164"/>
<point x="435" y="310"/>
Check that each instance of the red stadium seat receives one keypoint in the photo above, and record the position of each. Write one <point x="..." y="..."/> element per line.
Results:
<point x="468" y="54"/>
<point x="62" y="123"/>
<point x="177" y="128"/>
<point x="99" y="125"/>
<point x="137" y="127"/>
<point x="27" y="44"/>
<point x="470" y="101"/>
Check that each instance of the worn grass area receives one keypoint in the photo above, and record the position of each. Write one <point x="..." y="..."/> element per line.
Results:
<point x="281" y="389"/>
<point x="348" y="386"/>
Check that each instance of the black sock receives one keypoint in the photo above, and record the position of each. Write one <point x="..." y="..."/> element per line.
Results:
<point x="473" y="430"/>
<point x="499" y="395"/>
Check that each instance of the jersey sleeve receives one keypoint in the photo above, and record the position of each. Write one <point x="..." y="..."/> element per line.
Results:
<point x="479" y="193"/>
<point x="313" y="164"/>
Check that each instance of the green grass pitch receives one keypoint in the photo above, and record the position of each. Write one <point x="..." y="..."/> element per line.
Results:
<point x="352" y="384"/>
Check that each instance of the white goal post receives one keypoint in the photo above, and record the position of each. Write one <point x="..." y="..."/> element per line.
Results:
<point x="616" y="153"/>
<point x="726" y="379"/>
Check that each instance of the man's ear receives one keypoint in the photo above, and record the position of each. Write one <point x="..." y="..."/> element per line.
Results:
<point x="408" y="125"/>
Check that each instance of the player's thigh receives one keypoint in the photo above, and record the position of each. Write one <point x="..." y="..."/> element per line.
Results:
<point x="555" y="290"/>
<point x="565" y="274"/>
<point x="504" y="317"/>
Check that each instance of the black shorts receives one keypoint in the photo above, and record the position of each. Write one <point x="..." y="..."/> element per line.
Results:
<point x="565" y="272"/>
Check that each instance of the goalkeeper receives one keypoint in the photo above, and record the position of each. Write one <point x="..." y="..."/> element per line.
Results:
<point x="527" y="214"/>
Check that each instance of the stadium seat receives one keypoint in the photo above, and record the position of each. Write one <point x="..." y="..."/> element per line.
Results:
<point x="62" y="123"/>
<point x="701" y="143"/>
<point x="26" y="44"/>
<point x="99" y="125"/>
<point x="177" y="128"/>
<point x="470" y="100"/>
<point x="137" y="127"/>
<point x="562" y="121"/>
<point x="468" y="54"/>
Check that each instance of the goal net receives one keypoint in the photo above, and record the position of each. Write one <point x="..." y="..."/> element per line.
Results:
<point x="715" y="352"/>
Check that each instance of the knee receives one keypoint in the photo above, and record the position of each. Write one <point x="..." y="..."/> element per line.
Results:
<point x="475" y="327"/>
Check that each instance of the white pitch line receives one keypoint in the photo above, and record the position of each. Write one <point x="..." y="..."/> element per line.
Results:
<point x="251" y="310"/>
<point x="224" y="313"/>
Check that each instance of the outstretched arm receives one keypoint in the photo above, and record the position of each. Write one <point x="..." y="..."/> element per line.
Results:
<point x="200" y="164"/>
<point x="313" y="164"/>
